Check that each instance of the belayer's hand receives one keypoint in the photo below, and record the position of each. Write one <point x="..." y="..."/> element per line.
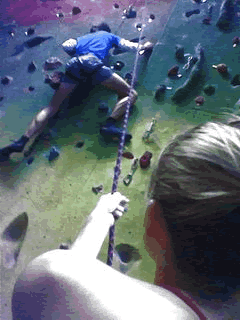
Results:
<point x="115" y="204"/>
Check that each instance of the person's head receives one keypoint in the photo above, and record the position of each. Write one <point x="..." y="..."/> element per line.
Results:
<point x="69" y="46"/>
<point x="101" y="27"/>
<point x="197" y="186"/>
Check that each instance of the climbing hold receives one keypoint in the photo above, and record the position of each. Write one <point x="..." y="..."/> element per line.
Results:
<point x="128" y="78"/>
<point x="76" y="10"/>
<point x="32" y="67"/>
<point x="207" y="20"/>
<point x="52" y="63"/>
<point x="199" y="100"/>
<point x="30" y="88"/>
<point x="79" y="144"/>
<point x="11" y="33"/>
<point x="221" y="68"/>
<point x="1" y="98"/>
<point x="6" y="80"/>
<point x="129" y="13"/>
<point x="152" y="16"/>
<point x="54" y="79"/>
<point x="30" y="161"/>
<point x="145" y="160"/>
<point x="179" y="54"/>
<point x="128" y="155"/>
<point x="64" y="246"/>
<point x="235" y="41"/>
<point x="226" y="15"/>
<point x="60" y="15"/>
<point x="160" y="92"/>
<point x="190" y="13"/>
<point x="98" y="189"/>
<point x="139" y="26"/>
<point x="236" y="80"/>
<point x="118" y="66"/>
<point x="29" y="32"/>
<point x="173" y="72"/>
<point x="54" y="153"/>
<point x="209" y="90"/>
<point x="116" y="5"/>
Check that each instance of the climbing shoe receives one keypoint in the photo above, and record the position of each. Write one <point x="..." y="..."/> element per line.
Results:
<point x="114" y="133"/>
<point x="16" y="146"/>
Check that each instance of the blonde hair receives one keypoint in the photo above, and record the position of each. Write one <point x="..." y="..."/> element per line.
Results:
<point x="197" y="182"/>
<point x="199" y="169"/>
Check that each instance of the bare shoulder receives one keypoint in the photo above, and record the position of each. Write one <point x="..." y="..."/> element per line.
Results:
<point x="59" y="285"/>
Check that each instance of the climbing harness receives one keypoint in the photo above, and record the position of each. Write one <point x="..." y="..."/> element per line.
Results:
<point x="117" y="168"/>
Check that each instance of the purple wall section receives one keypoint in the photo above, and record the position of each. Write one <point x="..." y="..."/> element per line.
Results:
<point x="26" y="13"/>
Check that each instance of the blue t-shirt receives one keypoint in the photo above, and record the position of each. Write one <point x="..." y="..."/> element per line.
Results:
<point x="98" y="43"/>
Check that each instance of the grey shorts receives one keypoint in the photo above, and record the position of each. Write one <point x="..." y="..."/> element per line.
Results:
<point x="75" y="75"/>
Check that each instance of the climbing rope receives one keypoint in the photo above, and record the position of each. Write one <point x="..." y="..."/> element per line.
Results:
<point x="117" y="169"/>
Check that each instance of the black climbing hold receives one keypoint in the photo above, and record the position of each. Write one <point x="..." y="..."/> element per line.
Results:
<point x="64" y="246"/>
<point x="76" y="10"/>
<point x="130" y="13"/>
<point x="179" y="52"/>
<point x="1" y="98"/>
<point x="6" y="80"/>
<point x="60" y="15"/>
<point x="209" y="90"/>
<point x="190" y="13"/>
<point x="139" y="26"/>
<point x="30" y="161"/>
<point x="29" y="32"/>
<point x="53" y="154"/>
<point x="207" y="20"/>
<point x="30" y="88"/>
<point x="79" y="144"/>
<point x="36" y="41"/>
<point x="116" y="5"/>
<point x="136" y="40"/>
<point x="198" y="1"/>
<point x="236" y="41"/>
<point x="11" y="33"/>
<point x="128" y="78"/>
<point x="236" y="80"/>
<point x="31" y="67"/>
<point x="160" y="92"/>
<point x="98" y="189"/>
<point x="152" y="16"/>
<point x="226" y="15"/>
<point x="118" y="65"/>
